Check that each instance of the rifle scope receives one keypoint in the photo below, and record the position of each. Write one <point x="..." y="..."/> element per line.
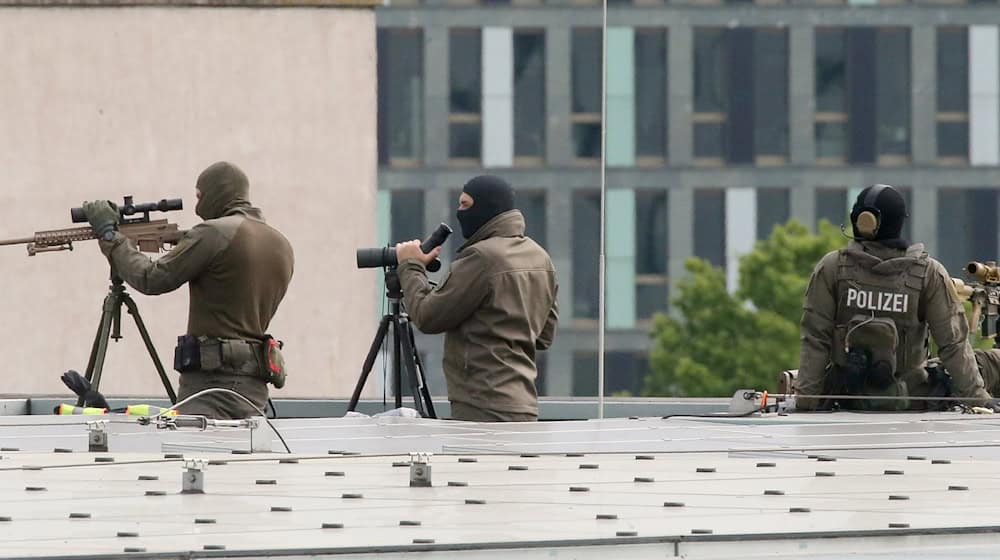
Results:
<point x="379" y="257"/>
<point x="130" y="208"/>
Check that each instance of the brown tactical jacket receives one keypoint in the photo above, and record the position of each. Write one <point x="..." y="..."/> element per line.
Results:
<point x="237" y="268"/>
<point x="938" y="310"/>
<point x="497" y="306"/>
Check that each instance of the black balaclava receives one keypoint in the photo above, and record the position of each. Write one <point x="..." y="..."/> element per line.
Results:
<point x="892" y="214"/>
<point x="223" y="187"/>
<point x="491" y="197"/>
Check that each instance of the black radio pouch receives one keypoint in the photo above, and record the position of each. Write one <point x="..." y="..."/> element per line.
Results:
<point x="187" y="354"/>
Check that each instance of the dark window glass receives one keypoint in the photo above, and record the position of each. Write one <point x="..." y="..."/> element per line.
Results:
<point x="952" y="70"/>
<point x="953" y="92"/>
<point x="532" y="205"/>
<point x="831" y="94"/>
<point x="465" y="140"/>
<point x="709" y="70"/>
<point x="584" y="374"/>
<point x="831" y="70"/>
<point x="892" y="62"/>
<point x="407" y="215"/>
<point x="529" y="93"/>
<point x="586" y="69"/>
<point x="831" y="140"/>
<point x="651" y="299"/>
<point x="652" y="246"/>
<point x="771" y="92"/>
<point x="831" y="205"/>
<point x="465" y="72"/>
<point x="953" y="139"/>
<point x="587" y="140"/>
<point x="586" y="76"/>
<point x="971" y="237"/>
<point x="586" y="236"/>
<point x="710" y="140"/>
<point x="650" y="92"/>
<point x="772" y="210"/>
<point x="630" y="369"/>
<point x="400" y="91"/>
<point x="710" y="225"/>
<point x="651" y="232"/>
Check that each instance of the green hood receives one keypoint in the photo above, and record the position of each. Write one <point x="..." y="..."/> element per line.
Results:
<point x="223" y="187"/>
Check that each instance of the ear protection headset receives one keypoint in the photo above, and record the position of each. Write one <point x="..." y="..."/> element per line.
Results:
<point x="868" y="217"/>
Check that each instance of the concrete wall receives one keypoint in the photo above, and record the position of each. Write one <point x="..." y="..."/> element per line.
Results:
<point x="104" y="102"/>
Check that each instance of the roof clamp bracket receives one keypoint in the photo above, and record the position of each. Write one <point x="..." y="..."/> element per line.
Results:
<point x="193" y="479"/>
<point x="420" y="470"/>
<point x="97" y="436"/>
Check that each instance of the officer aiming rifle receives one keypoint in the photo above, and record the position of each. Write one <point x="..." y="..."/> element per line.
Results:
<point x="149" y="236"/>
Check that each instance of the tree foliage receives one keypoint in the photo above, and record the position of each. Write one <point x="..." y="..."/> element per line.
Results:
<point x="717" y="342"/>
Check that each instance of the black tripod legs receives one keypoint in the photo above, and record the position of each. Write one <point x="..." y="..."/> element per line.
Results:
<point x="366" y="369"/>
<point x="133" y="310"/>
<point x="405" y="361"/>
<point x="95" y="364"/>
<point x="414" y="370"/>
<point x="110" y="327"/>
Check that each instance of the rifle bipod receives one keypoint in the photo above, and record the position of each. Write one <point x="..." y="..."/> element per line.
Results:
<point x="405" y="358"/>
<point x="110" y="327"/>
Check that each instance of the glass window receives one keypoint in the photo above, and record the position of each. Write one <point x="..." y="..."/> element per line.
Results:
<point x="651" y="252"/>
<point x="893" y="98"/>
<point x="974" y="236"/>
<point x="710" y="95"/>
<point x="532" y="205"/>
<point x="629" y="370"/>
<point x="586" y="236"/>
<point x="400" y="95"/>
<point x="953" y="94"/>
<point x="831" y="205"/>
<point x="529" y="96"/>
<point x="772" y="209"/>
<point x="740" y="96"/>
<point x="407" y="211"/>
<point x="465" y="94"/>
<point x="584" y="374"/>
<point x="831" y="95"/>
<point x="650" y="95"/>
<point x="710" y="225"/>
<point x="771" y="95"/>
<point x="586" y="76"/>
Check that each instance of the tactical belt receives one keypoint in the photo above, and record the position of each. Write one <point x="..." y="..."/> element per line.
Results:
<point x="206" y="354"/>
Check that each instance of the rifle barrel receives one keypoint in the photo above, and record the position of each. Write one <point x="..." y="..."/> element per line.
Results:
<point x="19" y="241"/>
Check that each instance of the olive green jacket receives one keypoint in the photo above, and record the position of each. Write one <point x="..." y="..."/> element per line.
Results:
<point x="497" y="306"/>
<point x="939" y="308"/>
<point x="236" y="266"/>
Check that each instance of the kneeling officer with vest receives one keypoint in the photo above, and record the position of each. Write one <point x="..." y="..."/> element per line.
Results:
<point x="867" y="314"/>
<point x="237" y="268"/>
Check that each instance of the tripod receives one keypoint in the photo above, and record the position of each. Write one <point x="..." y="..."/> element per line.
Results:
<point x="110" y="326"/>
<point x="405" y="359"/>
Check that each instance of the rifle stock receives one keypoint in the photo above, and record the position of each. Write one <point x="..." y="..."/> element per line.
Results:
<point x="150" y="237"/>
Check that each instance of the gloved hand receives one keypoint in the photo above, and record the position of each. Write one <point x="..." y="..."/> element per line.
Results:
<point x="103" y="216"/>
<point x="79" y="385"/>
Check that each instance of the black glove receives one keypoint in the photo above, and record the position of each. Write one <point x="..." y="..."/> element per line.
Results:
<point x="103" y="216"/>
<point x="79" y="385"/>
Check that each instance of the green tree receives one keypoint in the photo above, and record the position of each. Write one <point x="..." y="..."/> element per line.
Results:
<point x="720" y="342"/>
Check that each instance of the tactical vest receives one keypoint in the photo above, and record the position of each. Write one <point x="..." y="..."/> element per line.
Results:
<point x="878" y="316"/>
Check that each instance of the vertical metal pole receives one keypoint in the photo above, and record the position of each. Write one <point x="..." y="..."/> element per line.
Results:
<point x="602" y="263"/>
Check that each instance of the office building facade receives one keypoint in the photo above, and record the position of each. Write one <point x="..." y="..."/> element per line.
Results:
<point x="724" y="119"/>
